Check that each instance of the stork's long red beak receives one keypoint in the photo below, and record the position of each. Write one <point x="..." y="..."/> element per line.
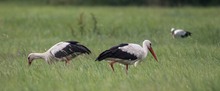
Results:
<point x="152" y="52"/>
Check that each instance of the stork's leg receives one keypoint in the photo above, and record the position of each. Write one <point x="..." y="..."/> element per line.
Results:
<point x="111" y="64"/>
<point x="173" y="36"/>
<point x="49" y="62"/>
<point x="67" y="61"/>
<point x="126" y="68"/>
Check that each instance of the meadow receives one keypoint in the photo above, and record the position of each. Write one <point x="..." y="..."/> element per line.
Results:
<point x="190" y="64"/>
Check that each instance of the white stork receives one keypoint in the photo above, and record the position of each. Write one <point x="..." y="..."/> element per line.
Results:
<point x="62" y="51"/>
<point x="179" y="33"/>
<point x="126" y="53"/>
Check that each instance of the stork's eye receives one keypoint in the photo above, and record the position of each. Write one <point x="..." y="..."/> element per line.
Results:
<point x="150" y="44"/>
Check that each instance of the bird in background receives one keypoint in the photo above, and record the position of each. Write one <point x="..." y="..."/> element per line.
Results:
<point x="127" y="54"/>
<point x="62" y="51"/>
<point x="180" y="33"/>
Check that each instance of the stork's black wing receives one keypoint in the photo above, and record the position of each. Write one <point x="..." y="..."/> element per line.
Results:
<point x="72" y="48"/>
<point x="115" y="52"/>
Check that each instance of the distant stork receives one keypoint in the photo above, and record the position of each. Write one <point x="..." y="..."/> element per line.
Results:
<point x="126" y="53"/>
<point x="62" y="51"/>
<point x="180" y="33"/>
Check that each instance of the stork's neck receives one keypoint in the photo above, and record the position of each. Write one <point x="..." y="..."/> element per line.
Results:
<point x="40" y="56"/>
<point x="145" y="48"/>
<point x="172" y="31"/>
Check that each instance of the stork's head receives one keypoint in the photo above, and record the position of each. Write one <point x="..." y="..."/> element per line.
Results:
<point x="148" y="44"/>
<point x="172" y="30"/>
<point x="31" y="57"/>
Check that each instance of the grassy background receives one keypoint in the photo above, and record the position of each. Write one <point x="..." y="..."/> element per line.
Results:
<point x="190" y="64"/>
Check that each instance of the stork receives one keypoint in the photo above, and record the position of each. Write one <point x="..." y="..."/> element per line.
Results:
<point x="127" y="54"/>
<point x="180" y="33"/>
<point x="62" y="51"/>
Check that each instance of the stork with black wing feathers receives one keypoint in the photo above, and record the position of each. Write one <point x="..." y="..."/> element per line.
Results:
<point x="62" y="51"/>
<point x="126" y="53"/>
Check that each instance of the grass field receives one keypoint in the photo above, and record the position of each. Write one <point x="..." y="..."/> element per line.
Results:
<point x="191" y="64"/>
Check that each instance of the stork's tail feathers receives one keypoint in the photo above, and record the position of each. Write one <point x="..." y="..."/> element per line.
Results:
<point x="103" y="55"/>
<point x="86" y="50"/>
<point x="80" y="47"/>
<point x="188" y="33"/>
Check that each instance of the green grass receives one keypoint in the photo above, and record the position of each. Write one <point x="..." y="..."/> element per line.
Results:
<point x="191" y="64"/>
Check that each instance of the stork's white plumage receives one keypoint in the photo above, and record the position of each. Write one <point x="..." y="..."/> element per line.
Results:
<point x="179" y="33"/>
<point x="127" y="54"/>
<point x="62" y="51"/>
